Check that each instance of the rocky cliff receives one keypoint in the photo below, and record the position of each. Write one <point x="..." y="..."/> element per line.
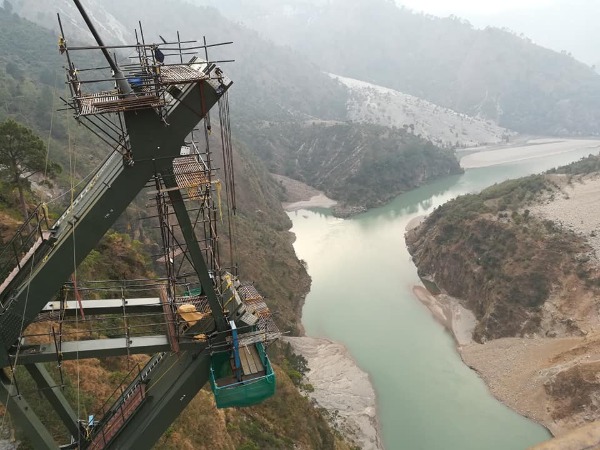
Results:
<point x="523" y="257"/>
<point x="516" y="271"/>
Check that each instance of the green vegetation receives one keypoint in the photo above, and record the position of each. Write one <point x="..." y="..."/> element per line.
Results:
<point x="488" y="250"/>
<point x="509" y="196"/>
<point x="22" y="155"/>
<point x="357" y="164"/>
<point x="584" y="166"/>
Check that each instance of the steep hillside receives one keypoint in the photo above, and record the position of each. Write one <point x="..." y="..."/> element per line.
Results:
<point x="284" y="420"/>
<point x="370" y="103"/>
<point x="503" y="262"/>
<point x="274" y="84"/>
<point x="31" y="84"/>
<point x="361" y="166"/>
<point x="489" y="73"/>
<point x="523" y="257"/>
<point x="260" y="217"/>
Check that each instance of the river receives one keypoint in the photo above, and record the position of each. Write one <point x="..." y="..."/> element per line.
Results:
<point x="362" y="276"/>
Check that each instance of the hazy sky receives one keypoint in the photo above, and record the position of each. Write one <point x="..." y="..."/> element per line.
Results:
<point x="569" y="25"/>
<point x="456" y="7"/>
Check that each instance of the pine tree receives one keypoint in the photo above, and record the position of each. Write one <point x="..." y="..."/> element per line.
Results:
<point x="22" y="154"/>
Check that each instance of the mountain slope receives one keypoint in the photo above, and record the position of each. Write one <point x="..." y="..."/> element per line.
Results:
<point x="523" y="257"/>
<point x="271" y="82"/>
<point x="370" y="103"/>
<point x="491" y="72"/>
<point x="361" y="165"/>
<point x="264" y="252"/>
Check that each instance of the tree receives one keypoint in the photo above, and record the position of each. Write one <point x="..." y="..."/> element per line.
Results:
<point x="22" y="154"/>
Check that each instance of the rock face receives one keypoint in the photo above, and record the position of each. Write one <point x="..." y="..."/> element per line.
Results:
<point x="370" y="103"/>
<point x="520" y="275"/>
<point x="342" y="388"/>
<point x="523" y="257"/>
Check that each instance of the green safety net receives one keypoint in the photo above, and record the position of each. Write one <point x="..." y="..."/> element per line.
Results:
<point x="244" y="393"/>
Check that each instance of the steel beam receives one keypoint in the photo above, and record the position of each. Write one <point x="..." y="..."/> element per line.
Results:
<point x="170" y="389"/>
<point x="54" y="395"/>
<point x="106" y="306"/>
<point x="100" y="348"/>
<point x="107" y="195"/>
<point x="187" y="229"/>
<point x="25" y="418"/>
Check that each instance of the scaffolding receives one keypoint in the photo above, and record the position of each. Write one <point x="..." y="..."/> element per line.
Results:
<point x="196" y="314"/>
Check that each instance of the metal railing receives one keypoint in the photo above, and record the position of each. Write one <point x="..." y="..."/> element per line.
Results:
<point x="120" y="408"/>
<point x="27" y="235"/>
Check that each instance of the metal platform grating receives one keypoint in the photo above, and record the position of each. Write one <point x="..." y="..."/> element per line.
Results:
<point x="248" y="292"/>
<point x="190" y="174"/>
<point x="199" y="301"/>
<point x="110" y="102"/>
<point x="255" y="304"/>
<point x="180" y="74"/>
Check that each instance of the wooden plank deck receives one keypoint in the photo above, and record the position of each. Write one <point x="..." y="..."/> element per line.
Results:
<point x="110" y="102"/>
<point x="190" y="174"/>
<point x="251" y="362"/>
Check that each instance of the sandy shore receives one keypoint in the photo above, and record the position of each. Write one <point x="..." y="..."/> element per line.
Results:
<point x="316" y="201"/>
<point x="535" y="148"/>
<point x="459" y="321"/>
<point x="519" y="371"/>
<point x="341" y="387"/>
<point x="301" y="196"/>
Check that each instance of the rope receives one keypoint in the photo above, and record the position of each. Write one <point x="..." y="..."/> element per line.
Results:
<point x="51" y="123"/>
<point x="72" y="166"/>
<point x="219" y="186"/>
<point x="227" y="150"/>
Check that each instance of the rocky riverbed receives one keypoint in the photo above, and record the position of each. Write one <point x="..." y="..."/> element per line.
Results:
<point x="342" y="388"/>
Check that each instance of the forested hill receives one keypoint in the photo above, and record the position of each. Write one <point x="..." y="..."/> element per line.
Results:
<point x="488" y="72"/>
<point x="519" y="272"/>
<point x="361" y="165"/>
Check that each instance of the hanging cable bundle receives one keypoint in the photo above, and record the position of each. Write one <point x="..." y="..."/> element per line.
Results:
<point x="227" y="149"/>
<point x="228" y="170"/>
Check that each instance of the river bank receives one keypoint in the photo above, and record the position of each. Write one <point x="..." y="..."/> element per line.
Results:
<point x="340" y="386"/>
<point x="548" y="376"/>
<point x="300" y="195"/>
<point x="524" y="150"/>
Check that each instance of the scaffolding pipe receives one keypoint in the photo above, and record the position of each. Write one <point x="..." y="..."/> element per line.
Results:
<point x="118" y="75"/>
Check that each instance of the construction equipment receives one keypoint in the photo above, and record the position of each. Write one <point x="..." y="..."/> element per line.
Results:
<point x="195" y="320"/>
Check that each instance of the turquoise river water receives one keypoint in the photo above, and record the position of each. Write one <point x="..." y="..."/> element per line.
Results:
<point x="362" y="277"/>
